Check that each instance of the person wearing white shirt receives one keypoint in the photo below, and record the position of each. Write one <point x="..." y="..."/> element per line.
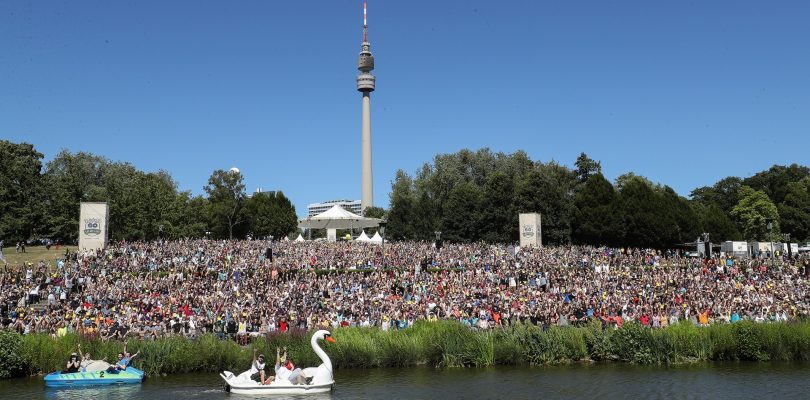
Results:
<point x="257" y="369"/>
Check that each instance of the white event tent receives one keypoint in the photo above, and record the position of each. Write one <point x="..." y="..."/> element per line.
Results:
<point x="337" y="218"/>
<point x="363" y="237"/>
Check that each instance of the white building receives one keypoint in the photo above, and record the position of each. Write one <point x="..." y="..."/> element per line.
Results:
<point x="260" y="190"/>
<point x="783" y="248"/>
<point x="348" y="205"/>
<point x="760" y="249"/>
<point x="735" y="249"/>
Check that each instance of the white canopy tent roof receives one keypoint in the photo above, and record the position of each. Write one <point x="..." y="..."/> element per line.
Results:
<point x="363" y="237"/>
<point x="337" y="218"/>
<point x="376" y="238"/>
<point x="299" y="238"/>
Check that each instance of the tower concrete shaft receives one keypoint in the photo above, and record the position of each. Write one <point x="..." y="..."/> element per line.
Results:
<point x="367" y="198"/>
<point x="365" y="84"/>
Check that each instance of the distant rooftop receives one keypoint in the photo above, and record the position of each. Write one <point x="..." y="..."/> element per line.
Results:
<point x="349" y="205"/>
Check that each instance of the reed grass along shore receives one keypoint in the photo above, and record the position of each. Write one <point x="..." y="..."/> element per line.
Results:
<point x="440" y="344"/>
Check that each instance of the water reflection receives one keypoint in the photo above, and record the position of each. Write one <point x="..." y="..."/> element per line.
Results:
<point x="614" y="381"/>
<point x="114" y="392"/>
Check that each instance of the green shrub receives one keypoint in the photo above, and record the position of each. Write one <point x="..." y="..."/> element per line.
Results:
<point x="398" y="349"/>
<point x="724" y="343"/>
<point x="634" y="343"/>
<point x="750" y="341"/>
<point x="506" y="347"/>
<point x="12" y="363"/>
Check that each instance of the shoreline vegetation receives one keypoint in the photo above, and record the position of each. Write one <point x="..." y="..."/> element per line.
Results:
<point x="442" y="344"/>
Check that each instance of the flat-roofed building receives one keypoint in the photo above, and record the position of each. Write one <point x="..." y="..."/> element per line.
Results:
<point x="348" y="205"/>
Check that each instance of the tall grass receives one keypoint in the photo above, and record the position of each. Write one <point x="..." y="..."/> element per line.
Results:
<point x="440" y="344"/>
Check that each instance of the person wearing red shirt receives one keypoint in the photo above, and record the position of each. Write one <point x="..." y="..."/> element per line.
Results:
<point x="644" y="319"/>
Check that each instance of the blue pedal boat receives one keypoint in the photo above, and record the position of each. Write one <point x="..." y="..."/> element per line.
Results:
<point x="58" y="379"/>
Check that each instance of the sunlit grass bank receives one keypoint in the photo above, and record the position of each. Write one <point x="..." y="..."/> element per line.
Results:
<point x="34" y="254"/>
<point x="435" y="344"/>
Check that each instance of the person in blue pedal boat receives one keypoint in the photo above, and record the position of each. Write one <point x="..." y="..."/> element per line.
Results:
<point x="124" y="360"/>
<point x="73" y="364"/>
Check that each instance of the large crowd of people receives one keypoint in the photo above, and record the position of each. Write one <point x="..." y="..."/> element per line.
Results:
<point x="233" y="289"/>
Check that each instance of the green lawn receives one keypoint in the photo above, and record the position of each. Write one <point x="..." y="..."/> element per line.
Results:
<point x="33" y="255"/>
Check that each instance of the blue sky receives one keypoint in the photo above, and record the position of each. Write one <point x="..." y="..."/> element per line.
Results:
<point x="684" y="93"/>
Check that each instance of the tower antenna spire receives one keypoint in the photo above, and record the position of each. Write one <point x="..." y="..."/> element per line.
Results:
<point x="365" y="23"/>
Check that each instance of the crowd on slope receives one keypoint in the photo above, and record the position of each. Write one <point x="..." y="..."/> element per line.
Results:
<point x="189" y="287"/>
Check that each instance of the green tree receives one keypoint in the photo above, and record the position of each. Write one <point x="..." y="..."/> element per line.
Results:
<point x="426" y="220"/>
<point x="226" y="197"/>
<point x="713" y="220"/>
<point x="585" y="167"/>
<point x="374" y="212"/>
<point x="548" y="190"/>
<point x="195" y="216"/>
<point x="20" y="191"/>
<point x="795" y="211"/>
<point x="680" y="221"/>
<point x="774" y="182"/>
<point x="597" y="219"/>
<point x="462" y="214"/>
<point x="401" y="216"/>
<point x="68" y="180"/>
<point x="623" y="179"/>
<point x="724" y="193"/>
<point x="159" y="207"/>
<point x="139" y="203"/>
<point x="641" y="209"/>
<point x="752" y="212"/>
<point x="270" y="213"/>
<point x="499" y="218"/>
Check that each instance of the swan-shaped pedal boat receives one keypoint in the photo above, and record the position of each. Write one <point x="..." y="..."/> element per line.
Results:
<point x="93" y="378"/>
<point x="322" y="380"/>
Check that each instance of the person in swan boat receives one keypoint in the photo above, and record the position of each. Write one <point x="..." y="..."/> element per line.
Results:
<point x="285" y="369"/>
<point x="257" y="370"/>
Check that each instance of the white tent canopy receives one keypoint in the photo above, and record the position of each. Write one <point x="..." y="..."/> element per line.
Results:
<point x="299" y="238"/>
<point x="376" y="238"/>
<point x="363" y="237"/>
<point x="337" y="218"/>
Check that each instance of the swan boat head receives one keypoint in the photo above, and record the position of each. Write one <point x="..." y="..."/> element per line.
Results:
<point x="323" y="335"/>
<point x="323" y="373"/>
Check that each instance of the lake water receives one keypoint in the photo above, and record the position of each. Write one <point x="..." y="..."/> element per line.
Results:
<point x="766" y="381"/>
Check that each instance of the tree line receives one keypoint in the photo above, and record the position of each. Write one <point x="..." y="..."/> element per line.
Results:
<point x="42" y="201"/>
<point x="468" y="196"/>
<point x="477" y="196"/>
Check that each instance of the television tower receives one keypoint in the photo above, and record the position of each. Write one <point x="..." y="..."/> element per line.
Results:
<point x="365" y="85"/>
